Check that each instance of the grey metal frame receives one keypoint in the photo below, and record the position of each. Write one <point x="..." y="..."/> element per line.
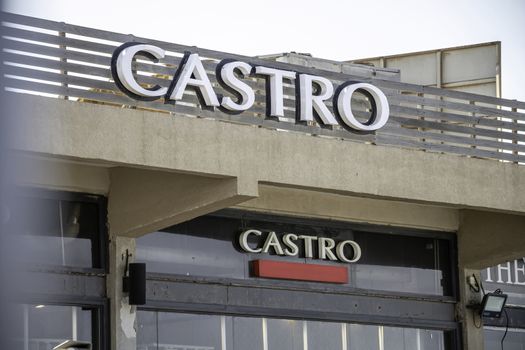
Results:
<point x="423" y="118"/>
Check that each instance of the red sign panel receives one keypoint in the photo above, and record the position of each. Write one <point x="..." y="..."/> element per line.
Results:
<point x="300" y="271"/>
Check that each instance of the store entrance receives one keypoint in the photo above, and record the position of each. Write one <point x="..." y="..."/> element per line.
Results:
<point x="203" y="290"/>
<point x="183" y="331"/>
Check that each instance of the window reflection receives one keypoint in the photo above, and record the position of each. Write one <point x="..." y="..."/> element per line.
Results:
<point x="207" y="246"/>
<point x="56" y="232"/>
<point x="42" y="327"/>
<point x="284" y="334"/>
<point x="177" y="331"/>
<point x="514" y="340"/>
<point x="324" y="335"/>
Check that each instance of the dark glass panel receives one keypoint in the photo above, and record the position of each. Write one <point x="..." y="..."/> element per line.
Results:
<point x="285" y="334"/>
<point x="147" y="330"/>
<point x="57" y="232"/>
<point x="188" y="331"/>
<point x="324" y="335"/>
<point x="208" y="246"/>
<point x="514" y="340"/>
<point x="45" y="326"/>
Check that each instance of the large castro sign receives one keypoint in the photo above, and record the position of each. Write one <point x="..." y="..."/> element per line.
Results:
<point x="312" y="92"/>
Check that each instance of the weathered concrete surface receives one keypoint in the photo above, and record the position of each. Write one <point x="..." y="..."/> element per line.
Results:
<point x="57" y="174"/>
<point x="253" y="155"/>
<point x="123" y="316"/>
<point x="486" y="239"/>
<point x="471" y="322"/>
<point x="308" y="203"/>
<point x="144" y="201"/>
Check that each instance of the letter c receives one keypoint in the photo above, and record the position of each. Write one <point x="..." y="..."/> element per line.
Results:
<point x="243" y="240"/>
<point x="121" y="70"/>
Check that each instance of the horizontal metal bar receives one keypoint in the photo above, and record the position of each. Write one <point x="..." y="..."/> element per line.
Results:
<point x="457" y="118"/>
<point x="235" y="299"/>
<point x="466" y="107"/>
<point x="437" y="147"/>
<point x="55" y="285"/>
<point x="57" y="40"/>
<point x="427" y="124"/>
<point x="467" y="140"/>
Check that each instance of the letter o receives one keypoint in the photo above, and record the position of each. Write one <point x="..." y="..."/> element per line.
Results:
<point x="380" y="112"/>
<point x="340" y="251"/>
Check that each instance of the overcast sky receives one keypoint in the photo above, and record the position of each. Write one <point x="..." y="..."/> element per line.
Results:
<point x="332" y="29"/>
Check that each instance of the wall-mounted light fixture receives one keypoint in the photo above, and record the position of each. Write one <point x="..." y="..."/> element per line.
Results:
<point x="134" y="281"/>
<point x="492" y="304"/>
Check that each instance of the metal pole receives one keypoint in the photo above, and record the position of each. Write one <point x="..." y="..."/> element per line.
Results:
<point x="62" y="233"/>
<point x="74" y="323"/>
<point x="26" y="327"/>
<point x="223" y="332"/>
<point x="344" y="340"/>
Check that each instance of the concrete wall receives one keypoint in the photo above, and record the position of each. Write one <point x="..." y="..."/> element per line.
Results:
<point x="253" y="155"/>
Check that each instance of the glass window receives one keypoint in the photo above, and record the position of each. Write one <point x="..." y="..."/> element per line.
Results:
<point x="57" y="232"/>
<point x="509" y="277"/>
<point x="514" y="340"/>
<point x="324" y="335"/>
<point x="186" y="331"/>
<point x="146" y="330"/>
<point x="42" y="327"/>
<point x="284" y="334"/>
<point x="363" y="337"/>
<point x="246" y="333"/>
<point x="174" y="331"/>
<point x="403" y="264"/>
<point x="208" y="246"/>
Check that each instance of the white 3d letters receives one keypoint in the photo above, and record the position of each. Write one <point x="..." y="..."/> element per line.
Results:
<point x="191" y="73"/>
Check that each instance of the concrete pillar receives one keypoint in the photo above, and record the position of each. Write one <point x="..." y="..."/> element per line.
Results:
<point x="123" y="316"/>
<point x="484" y="239"/>
<point x="471" y="321"/>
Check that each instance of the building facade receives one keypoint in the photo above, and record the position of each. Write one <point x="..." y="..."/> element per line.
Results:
<point x="278" y="214"/>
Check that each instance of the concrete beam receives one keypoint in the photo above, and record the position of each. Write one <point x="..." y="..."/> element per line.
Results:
<point x="59" y="174"/>
<point x="486" y="238"/>
<point x="139" y="138"/>
<point x="308" y="203"/>
<point x="144" y="201"/>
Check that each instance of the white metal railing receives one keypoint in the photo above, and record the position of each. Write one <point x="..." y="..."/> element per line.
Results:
<point x="60" y="60"/>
